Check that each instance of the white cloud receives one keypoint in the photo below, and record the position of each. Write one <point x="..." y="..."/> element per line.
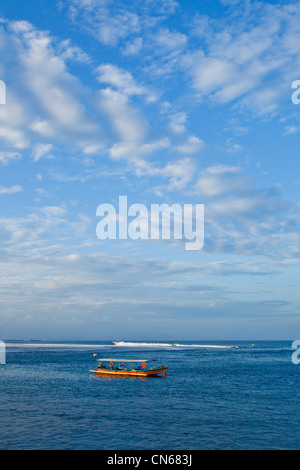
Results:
<point x="165" y="7"/>
<point x="55" y="211"/>
<point x="12" y="190"/>
<point x="136" y="152"/>
<point x="191" y="146"/>
<point x="69" y="52"/>
<point x="250" y="58"/>
<point x="47" y="105"/>
<point x="7" y="157"/>
<point x="40" y="151"/>
<point x="291" y="130"/>
<point x="179" y="172"/>
<point x="129" y="123"/>
<point x="246" y="57"/>
<point x="106" y="27"/>
<point x="122" y="22"/>
<point x="168" y="41"/>
<point x="42" y="231"/>
<point x="43" y="100"/>
<point x="220" y="180"/>
<point x="122" y="80"/>
<point x="13" y="120"/>
<point x="134" y="47"/>
<point x="177" y="122"/>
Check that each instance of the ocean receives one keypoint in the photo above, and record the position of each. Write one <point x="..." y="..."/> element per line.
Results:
<point x="216" y="398"/>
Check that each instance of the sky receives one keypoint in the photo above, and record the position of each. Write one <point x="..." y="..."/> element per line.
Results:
<point x="164" y="102"/>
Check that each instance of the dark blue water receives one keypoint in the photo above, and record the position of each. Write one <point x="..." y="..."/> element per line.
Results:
<point x="244" y="398"/>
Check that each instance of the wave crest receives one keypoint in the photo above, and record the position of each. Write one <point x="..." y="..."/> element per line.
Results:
<point x="169" y="345"/>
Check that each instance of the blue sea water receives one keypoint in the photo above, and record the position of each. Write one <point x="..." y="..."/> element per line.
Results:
<point x="241" y="398"/>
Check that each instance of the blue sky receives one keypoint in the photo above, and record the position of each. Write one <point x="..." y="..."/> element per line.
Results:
<point x="163" y="101"/>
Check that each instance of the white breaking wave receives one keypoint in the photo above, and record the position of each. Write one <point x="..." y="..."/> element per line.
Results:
<point x="114" y="343"/>
<point x="169" y="345"/>
<point x="132" y="345"/>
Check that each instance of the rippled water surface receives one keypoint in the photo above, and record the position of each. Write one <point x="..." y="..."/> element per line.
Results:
<point x="214" y="398"/>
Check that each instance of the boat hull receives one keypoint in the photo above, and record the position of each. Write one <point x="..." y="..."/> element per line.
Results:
<point x="130" y="373"/>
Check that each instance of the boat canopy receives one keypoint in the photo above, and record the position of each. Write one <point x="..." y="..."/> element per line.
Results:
<point x="125" y="360"/>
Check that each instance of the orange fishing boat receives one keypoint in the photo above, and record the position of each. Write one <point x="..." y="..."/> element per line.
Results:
<point x="129" y="367"/>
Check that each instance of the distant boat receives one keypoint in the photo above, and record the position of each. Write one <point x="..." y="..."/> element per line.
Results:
<point x="35" y="341"/>
<point x="129" y="367"/>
